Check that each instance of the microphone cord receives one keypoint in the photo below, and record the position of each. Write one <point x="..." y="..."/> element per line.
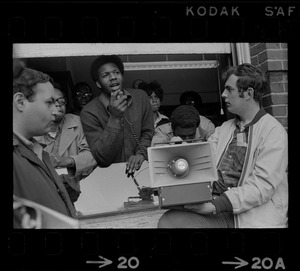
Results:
<point x="136" y="139"/>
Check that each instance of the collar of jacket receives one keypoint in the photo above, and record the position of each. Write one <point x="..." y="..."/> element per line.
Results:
<point x="28" y="152"/>
<point x="67" y="133"/>
<point x="19" y="139"/>
<point x="256" y="118"/>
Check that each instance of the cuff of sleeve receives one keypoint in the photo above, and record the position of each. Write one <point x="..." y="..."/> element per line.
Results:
<point x="72" y="169"/>
<point x="73" y="161"/>
<point x="141" y="153"/>
<point x="222" y="204"/>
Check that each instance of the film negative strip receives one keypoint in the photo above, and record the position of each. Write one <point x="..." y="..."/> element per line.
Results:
<point x="150" y="36"/>
<point x="151" y="21"/>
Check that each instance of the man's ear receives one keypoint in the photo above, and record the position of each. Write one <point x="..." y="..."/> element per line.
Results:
<point x="98" y="84"/>
<point x="249" y="93"/>
<point x="19" y="101"/>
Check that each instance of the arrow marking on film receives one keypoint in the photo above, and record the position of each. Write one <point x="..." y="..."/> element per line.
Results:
<point x="102" y="263"/>
<point x="240" y="263"/>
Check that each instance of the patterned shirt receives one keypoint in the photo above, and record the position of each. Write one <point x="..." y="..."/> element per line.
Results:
<point x="231" y="165"/>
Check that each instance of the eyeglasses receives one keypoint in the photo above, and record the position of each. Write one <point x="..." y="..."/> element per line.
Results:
<point x="190" y="103"/>
<point x="82" y="94"/>
<point x="61" y="101"/>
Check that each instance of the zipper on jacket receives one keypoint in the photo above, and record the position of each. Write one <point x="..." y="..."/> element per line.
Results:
<point x="236" y="217"/>
<point x="247" y="155"/>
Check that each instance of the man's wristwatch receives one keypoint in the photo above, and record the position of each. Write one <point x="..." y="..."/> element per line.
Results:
<point x="214" y="210"/>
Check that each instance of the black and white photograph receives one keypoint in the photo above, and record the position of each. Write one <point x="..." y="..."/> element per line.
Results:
<point x="150" y="135"/>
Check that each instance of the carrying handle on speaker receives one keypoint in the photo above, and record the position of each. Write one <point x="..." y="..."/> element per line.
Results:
<point x="179" y="142"/>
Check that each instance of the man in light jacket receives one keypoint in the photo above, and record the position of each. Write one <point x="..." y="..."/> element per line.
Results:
<point x="67" y="147"/>
<point x="251" y="153"/>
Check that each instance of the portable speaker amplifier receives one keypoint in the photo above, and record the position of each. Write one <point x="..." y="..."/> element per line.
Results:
<point x="184" y="194"/>
<point x="182" y="173"/>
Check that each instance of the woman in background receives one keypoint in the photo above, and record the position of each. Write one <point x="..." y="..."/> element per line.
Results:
<point x="155" y="93"/>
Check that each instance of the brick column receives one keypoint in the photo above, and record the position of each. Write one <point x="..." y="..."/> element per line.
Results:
<point x="272" y="59"/>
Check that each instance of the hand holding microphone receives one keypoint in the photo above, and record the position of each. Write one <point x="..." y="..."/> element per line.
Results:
<point x="117" y="104"/>
<point x="119" y="94"/>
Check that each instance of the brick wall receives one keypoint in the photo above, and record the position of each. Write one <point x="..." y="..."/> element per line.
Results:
<point x="272" y="58"/>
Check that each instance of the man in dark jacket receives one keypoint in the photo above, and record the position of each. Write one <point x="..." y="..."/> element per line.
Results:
<point x="118" y="124"/>
<point x="35" y="179"/>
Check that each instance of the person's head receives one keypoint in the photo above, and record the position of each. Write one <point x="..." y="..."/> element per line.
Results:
<point x="136" y="83"/>
<point x="82" y="94"/>
<point x="107" y="72"/>
<point x="60" y="103"/>
<point x="184" y="121"/>
<point x="191" y="98"/>
<point x="156" y="94"/>
<point x="243" y="84"/>
<point x="33" y="102"/>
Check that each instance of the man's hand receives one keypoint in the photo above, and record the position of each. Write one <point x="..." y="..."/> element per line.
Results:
<point x="117" y="106"/>
<point x="201" y="208"/>
<point x="59" y="161"/>
<point x="134" y="163"/>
